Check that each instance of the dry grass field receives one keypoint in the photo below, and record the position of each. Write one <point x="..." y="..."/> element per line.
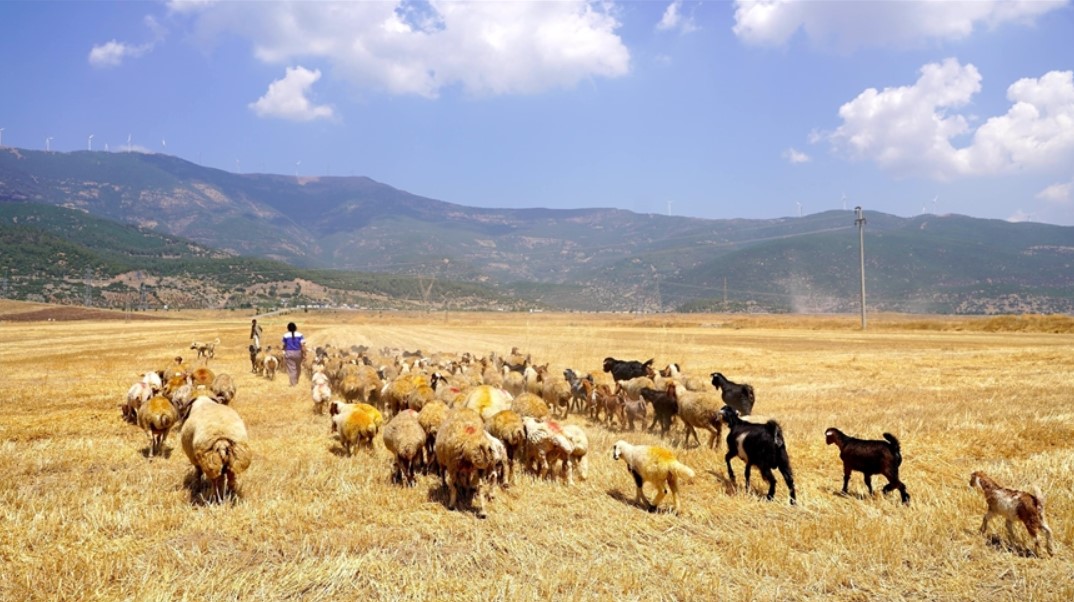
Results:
<point x="87" y="516"/>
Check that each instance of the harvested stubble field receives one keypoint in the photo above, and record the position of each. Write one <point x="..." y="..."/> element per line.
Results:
<point x="87" y="516"/>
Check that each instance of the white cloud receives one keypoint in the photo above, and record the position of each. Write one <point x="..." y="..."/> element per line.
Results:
<point x="850" y="25"/>
<point x="1058" y="193"/>
<point x="113" y="53"/>
<point x="1020" y="216"/>
<point x="286" y="98"/>
<point x="673" y="19"/>
<point x="418" y="47"/>
<point x="795" y="156"/>
<point x="910" y="130"/>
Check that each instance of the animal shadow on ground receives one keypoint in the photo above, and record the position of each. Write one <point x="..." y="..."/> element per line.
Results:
<point x="729" y="486"/>
<point x="439" y="494"/>
<point x="199" y="490"/>
<point x="165" y="452"/>
<point x="624" y="499"/>
<point x="855" y="495"/>
<point x="999" y="543"/>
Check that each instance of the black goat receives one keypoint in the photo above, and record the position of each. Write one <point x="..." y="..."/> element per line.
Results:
<point x="626" y="370"/>
<point x="739" y="397"/>
<point x="758" y="444"/>
<point x="869" y="457"/>
<point x="665" y="406"/>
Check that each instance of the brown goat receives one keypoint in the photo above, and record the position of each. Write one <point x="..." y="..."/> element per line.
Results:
<point x="1013" y="505"/>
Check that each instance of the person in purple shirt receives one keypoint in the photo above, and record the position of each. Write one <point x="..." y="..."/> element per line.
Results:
<point x="294" y="347"/>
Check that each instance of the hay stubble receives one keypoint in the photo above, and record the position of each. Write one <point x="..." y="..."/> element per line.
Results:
<point x="87" y="516"/>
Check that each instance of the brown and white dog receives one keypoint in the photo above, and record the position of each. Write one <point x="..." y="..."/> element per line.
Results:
<point x="207" y="350"/>
<point x="1013" y="505"/>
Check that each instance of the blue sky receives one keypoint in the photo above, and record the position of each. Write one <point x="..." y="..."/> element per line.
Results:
<point x="709" y="109"/>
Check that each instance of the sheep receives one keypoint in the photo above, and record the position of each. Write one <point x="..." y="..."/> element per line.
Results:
<point x="655" y="465"/>
<point x="665" y="406"/>
<point x="405" y="439"/>
<point x="202" y="376"/>
<point x="498" y="472"/>
<point x="513" y="381"/>
<point x="578" y="462"/>
<point x="223" y="388"/>
<point x="355" y="423"/>
<point x="869" y="457"/>
<point x="545" y="444"/>
<point x="557" y="394"/>
<point x="487" y="401"/>
<point x="431" y="416"/>
<point x="1013" y="505"/>
<point x="757" y="444"/>
<point x="739" y="397"/>
<point x="507" y="427"/>
<point x="700" y="411"/>
<point x="626" y="370"/>
<point x="633" y="387"/>
<point x="466" y="455"/>
<point x="269" y="365"/>
<point x="215" y="441"/>
<point x="137" y="395"/>
<point x="321" y="391"/>
<point x="157" y="417"/>
<point x="529" y="404"/>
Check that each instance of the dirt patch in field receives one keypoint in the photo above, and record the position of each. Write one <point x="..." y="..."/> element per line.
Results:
<point x="63" y="314"/>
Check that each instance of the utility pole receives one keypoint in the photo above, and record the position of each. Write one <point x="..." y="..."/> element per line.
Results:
<point x="859" y="221"/>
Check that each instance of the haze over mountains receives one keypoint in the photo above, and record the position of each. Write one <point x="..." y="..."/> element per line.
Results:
<point x="595" y="258"/>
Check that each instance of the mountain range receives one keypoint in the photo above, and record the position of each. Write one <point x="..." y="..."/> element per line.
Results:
<point x="339" y="234"/>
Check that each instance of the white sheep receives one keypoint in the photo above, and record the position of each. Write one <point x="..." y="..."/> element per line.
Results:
<point x="655" y="465"/>
<point x="487" y="401"/>
<point x="405" y="439"/>
<point x="545" y="444"/>
<point x="578" y="461"/>
<point x="321" y="391"/>
<point x="138" y="394"/>
<point x="215" y="440"/>
<point x="157" y="417"/>
<point x="223" y="388"/>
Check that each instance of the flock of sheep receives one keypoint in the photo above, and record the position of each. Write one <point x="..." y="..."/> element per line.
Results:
<point x="471" y="419"/>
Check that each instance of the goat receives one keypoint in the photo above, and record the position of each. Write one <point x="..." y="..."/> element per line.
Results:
<point x="738" y="396"/>
<point x="1013" y="505"/>
<point x="579" y="394"/>
<point x="665" y="406"/>
<point x="869" y="457"/>
<point x="628" y="369"/>
<point x="757" y="444"/>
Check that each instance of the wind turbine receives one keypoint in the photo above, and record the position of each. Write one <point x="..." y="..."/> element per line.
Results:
<point x="669" y="208"/>
<point x="89" y="143"/>
<point x="1" y="136"/>
<point x="799" y="208"/>
<point x="48" y="144"/>
<point x="844" y="201"/>
<point x="297" y="163"/>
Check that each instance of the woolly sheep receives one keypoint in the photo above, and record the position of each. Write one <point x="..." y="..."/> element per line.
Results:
<point x="507" y="427"/>
<point x="545" y="444"/>
<point x="529" y="404"/>
<point x="157" y="417"/>
<point x="578" y="462"/>
<point x="431" y="416"/>
<point x="138" y="394"/>
<point x="223" y="388"/>
<point x="487" y="401"/>
<point x="214" y="439"/>
<point x="321" y="391"/>
<point x="355" y="423"/>
<point x="405" y="439"/>
<point x="464" y="452"/>
<point x="655" y="465"/>
<point x="700" y="411"/>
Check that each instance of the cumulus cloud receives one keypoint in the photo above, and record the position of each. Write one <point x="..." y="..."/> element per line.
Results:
<point x="286" y="98"/>
<point x="113" y="53"/>
<point x="423" y="47"/>
<point x="794" y="156"/>
<point x="911" y="130"/>
<point x="673" y="19"/>
<point x="1058" y="193"/>
<point x="850" y="25"/>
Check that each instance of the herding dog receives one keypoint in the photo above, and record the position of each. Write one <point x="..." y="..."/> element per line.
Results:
<point x="207" y="350"/>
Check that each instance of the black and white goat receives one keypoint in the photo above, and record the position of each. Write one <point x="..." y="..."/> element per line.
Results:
<point x="869" y="457"/>
<point x="759" y="445"/>
<point x="738" y="396"/>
